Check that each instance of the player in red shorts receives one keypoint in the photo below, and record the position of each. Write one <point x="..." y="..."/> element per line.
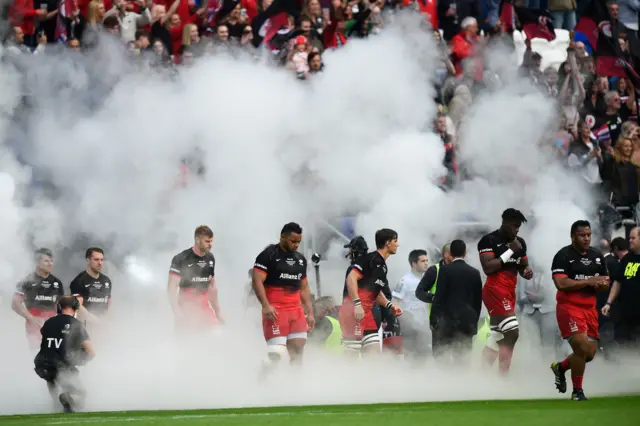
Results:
<point x="192" y="289"/>
<point x="503" y="255"/>
<point x="364" y="285"/>
<point x="578" y="271"/>
<point x="280" y="284"/>
<point x="36" y="297"/>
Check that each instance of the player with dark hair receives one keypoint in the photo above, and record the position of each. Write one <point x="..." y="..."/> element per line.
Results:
<point x="92" y="288"/>
<point x="281" y="286"/>
<point x="415" y="316"/>
<point x="192" y="289"/>
<point x="578" y="271"/>
<point x="503" y="254"/>
<point x="65" y="344"/>
<point x="365" y="281"/>
<point x="36" y="296"/>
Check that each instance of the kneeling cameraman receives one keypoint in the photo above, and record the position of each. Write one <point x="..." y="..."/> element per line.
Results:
<point x="65" y="345"/>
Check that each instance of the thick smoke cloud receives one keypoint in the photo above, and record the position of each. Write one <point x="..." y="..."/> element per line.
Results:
<point x="356" y="139"/>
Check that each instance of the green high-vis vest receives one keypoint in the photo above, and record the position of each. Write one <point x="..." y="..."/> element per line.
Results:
<point x="432" y="290"/>
<point x="333" y="343"/>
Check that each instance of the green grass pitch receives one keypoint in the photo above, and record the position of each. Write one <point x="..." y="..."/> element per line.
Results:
<point x="606" y="411"/>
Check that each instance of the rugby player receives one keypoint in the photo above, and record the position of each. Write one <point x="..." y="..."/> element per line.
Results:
<point x="65" y="344"/>
<point x="578" y="271"/>
<point x="366" y="279"/>
<point x="281" y="286"/>
<point x="92" y="288"/>
<point x="36" y="296"/>
<point x="503" y="254"/>
<point x="192" y="289"/>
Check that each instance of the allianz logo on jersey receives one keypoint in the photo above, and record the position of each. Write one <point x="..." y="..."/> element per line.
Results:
<point x="286" y="276"/>
<point x="201" y="279"/>
<point x="46" y="298"/>
<point x="580" y="277"/>
<point x="512" y="260"/>
<point x="98" y="299"/>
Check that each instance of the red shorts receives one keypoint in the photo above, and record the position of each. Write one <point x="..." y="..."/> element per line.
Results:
<point x="290" y="324"/>
<point x="574" y="319"/>
<point x="352" y="329"/>
<point x="499" y="301"/>
<point x="196" y="312"/>
<point x="34" y="338"/>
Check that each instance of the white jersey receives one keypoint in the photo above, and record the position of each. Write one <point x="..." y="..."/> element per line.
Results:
<point x="405" y="291"/>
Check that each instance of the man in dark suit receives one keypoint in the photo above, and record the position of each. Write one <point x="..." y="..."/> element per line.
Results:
<point x="456" y="306"/>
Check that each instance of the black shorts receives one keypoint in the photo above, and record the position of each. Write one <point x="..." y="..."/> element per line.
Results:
<point x="66" y="377"/>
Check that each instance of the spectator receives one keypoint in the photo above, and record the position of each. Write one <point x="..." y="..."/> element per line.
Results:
<point x="313" y="10"/>
<point x="621" y="175"/>
<point x="22" y="13"/>
<point x="615" y="113"/>
<point x="629" y="10"/>
<point x="536" y="299"/>
<point x="585" y="156"/>
<point x="465" y="47"/>
<point x="315" y="63"/>
<point x="130" y="21"/>
<point x="563" y="13"/>
<point x="452" y="15"/>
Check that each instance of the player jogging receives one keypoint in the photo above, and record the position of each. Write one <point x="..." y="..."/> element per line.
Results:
<point x="193" y="294"/>
<point x="36" y="296"/>
<point x="280" y="284"/>
<point x="578" y="271"/>
<point x="365" y="281"/>
<point x="503" y="255"/>
<point x="65" y="344"/>
<point x="92" y="288"/>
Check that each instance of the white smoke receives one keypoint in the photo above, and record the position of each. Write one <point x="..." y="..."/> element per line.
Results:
<point x="362" y="130"/>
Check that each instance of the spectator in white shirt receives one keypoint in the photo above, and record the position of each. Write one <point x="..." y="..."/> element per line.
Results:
<point x="129" y="21"/>
<point x="415" y="319"/>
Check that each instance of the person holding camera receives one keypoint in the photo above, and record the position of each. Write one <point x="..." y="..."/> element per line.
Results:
<point x="65" y="345"/>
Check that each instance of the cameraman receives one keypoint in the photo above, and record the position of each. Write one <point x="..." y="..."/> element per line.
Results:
<point x="65" y="345"/>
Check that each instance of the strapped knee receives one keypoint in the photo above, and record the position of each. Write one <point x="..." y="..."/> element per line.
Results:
<point x="352" y="345"/>
<point x="494" y="337"/>
<point x="509" y="328"/>
<point x="371" y="340"/>
<point x="275" y="353"/>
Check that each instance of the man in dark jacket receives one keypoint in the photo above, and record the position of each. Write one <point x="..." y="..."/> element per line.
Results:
<point x="456" y="306"/>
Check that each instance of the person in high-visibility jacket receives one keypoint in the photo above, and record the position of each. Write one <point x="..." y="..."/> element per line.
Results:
<point x="428" y="284"/>
<point x="327" y="332"/>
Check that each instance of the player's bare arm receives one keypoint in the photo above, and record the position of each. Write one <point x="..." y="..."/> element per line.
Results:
<point x="87" y="345"/>
<point x="305" y="297"/>
<point x="172" y="292"/>
<point x="490" y="263"/>
<point x="257" y="280"/>
<point x="213" y="298"/>
<point x="613" y="295"/>
<point x="17" y="304"/>
<point x="382" y="300"/>
<point x="525" y="270"/>
<point x="352" y="288"/>
<point x="564" y="283"/>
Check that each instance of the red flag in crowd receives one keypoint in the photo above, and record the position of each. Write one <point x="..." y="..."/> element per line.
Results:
<point x="267" y="23"/>
<point x="596" y="25"/>
<point x="536" y="23"/>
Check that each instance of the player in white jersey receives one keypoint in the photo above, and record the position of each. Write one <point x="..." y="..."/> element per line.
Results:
<point x="416" y="319"/>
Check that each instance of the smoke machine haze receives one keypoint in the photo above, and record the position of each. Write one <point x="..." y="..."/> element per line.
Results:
<point x="355" y="139"/>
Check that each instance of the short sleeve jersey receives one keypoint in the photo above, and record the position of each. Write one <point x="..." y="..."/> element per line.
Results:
<point x="285" y="271"/>
<point x="627" y="275"/>
<point x="372" y="270"/>
<point x="195" y="271"/>
<point x="40" y="294"/>
<point x="95" y="292"/>
<point x="494" y="243"/>
<point x="62" y="338"/>
<point x="576" y="266"/>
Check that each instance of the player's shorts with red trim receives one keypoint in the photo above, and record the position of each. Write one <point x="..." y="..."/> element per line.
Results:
<point x="34" y="337"/>
<point x="196" y="310"/>
<point x="499" y="300"/>
<point x="574" y="319"/>
<point x="290" y="322"/>
<point x="352" y="329"/>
